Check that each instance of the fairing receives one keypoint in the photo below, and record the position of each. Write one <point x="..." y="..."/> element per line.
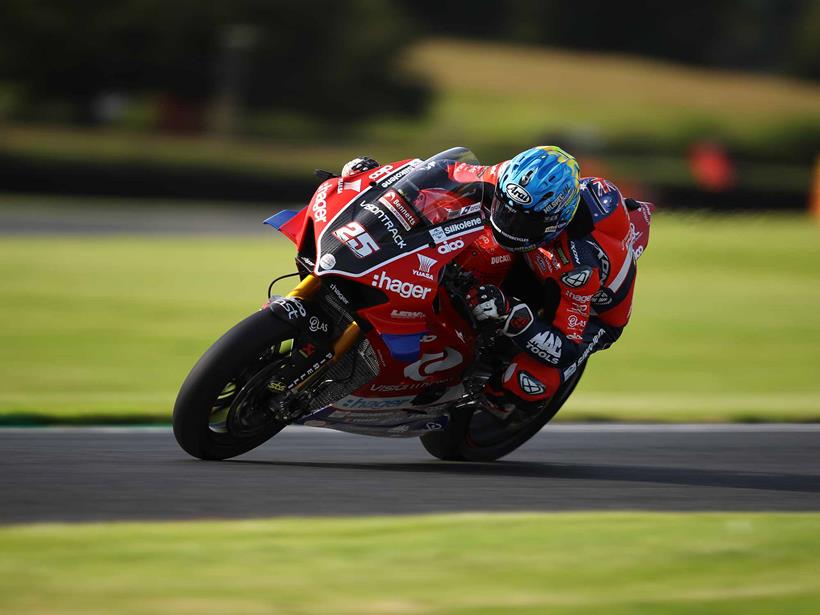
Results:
<point x="394" y="229"/>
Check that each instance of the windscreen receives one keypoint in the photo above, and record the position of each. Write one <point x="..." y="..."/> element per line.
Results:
<point x="441" y="188"/>
<point x="418" y="203"/>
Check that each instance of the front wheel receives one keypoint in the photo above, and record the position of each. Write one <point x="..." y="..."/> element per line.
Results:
<point x="230" y="381"/>
<point x="478" y="436"/>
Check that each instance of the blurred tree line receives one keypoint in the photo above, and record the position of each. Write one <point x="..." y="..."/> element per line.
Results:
<point x="322" y="58"/>
<point x="781" y="36"/>
<point x="326" y="59"/>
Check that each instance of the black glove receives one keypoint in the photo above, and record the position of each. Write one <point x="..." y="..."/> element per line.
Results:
<point x="358" y="165"/>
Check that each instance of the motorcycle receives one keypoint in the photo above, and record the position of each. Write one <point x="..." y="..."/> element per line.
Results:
<point x="376" y="338"/>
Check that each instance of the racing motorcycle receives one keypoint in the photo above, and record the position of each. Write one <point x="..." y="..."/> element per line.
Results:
<point x="376" y="337"/>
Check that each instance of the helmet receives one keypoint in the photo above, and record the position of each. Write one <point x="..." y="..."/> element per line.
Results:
<point x="535" y="198"/>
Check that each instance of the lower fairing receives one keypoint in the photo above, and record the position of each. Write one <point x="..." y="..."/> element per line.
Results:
<point x="389" y="417"/>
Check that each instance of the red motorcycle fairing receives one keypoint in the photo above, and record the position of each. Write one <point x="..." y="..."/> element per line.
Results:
<point x="364" y="232"/>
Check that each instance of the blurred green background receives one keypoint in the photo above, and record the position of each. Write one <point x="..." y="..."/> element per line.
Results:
<point x="141" y="143"/>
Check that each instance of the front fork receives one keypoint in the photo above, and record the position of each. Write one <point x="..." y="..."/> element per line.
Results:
<point x="306" y="290"/>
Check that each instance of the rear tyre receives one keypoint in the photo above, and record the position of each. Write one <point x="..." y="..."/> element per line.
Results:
<point x="477" y="436"/>
<point x="231" y="374"/>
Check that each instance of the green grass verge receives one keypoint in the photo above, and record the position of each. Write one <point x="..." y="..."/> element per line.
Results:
<point x="726" y="324"/>
<point x="474" y="563"/>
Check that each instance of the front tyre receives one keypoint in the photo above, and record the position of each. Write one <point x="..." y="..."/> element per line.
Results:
<point x="229" y="376"/>
<point x="478" y="436"/>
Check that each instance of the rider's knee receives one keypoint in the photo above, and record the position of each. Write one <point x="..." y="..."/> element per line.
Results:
<point x="530" y="380"/>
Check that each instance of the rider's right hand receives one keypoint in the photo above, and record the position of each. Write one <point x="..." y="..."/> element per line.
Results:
<point x="487" y="302"/>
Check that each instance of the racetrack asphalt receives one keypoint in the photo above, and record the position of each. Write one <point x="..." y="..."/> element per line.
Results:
<point x="106" y="474"/>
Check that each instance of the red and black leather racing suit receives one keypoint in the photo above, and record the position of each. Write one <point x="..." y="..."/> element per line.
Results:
<point x="585" y="282"/>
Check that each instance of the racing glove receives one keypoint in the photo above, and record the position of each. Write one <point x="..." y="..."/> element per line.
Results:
<point x="488" y="303"/>
<point x="358" y="165"/>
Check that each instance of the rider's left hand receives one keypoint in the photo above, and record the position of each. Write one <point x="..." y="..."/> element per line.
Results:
<point x="358" y="165"/>
<point x="487" y="302"/>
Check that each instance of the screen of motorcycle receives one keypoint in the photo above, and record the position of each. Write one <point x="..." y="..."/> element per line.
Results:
<point x="435" y="200"/>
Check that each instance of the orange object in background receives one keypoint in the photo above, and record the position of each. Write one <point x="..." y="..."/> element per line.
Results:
<point x="814" y="195"/>
<point x="711" y="166"/>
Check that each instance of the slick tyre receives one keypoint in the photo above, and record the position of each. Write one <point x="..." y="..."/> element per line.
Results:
<point x="476" y="436"/>
<point x="217" y="381"/>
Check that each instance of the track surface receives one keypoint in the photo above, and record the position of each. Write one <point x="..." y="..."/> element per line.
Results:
<point x="87" y="474"/>
<point x="106" y="217"/>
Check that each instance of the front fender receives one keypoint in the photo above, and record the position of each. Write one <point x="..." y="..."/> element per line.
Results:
<point x="300" y="315"/>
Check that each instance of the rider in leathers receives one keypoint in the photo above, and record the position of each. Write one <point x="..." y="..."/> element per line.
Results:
<point x="574" y="237"/>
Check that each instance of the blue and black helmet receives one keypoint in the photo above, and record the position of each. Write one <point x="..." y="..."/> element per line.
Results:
<point x="535" y="198"/>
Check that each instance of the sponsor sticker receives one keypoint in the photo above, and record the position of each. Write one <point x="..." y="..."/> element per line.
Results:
<point x="433" y="363"/>
<point x="381" y="172"/>
<point x="601" y="298"/>
<point x="293" y="307"/>
<point x="577" y="277"/>
<point x="602" y="258"/>
<point x="530" y="385"/>
<point x="400" y="173"/>
<point x="327" y="261"/>
<point x="338" y="294"/>
<point x="311" y="370"/>
<point x="374" y="403"/>
<point x="450" y="246"/>
<point x="581" y="308"/>
<point x="406" y="314"/>
<point x="546" y="345"/>
<point x="576" y="297"/>
<point x="404" y="289"/>
<point x="357" y="239"/>
<point x="571" y="369"/>
<point x="425" y="265"/>
<point x="319" y="208"/>
<point x="518" y="194"/>
<point x="387" y="222"/>
<point x="574" y="251"/>
<point x="396" y="206"/>
<point x="465" y="211"/>
<point x="438" y="234"/>
<point x="397" y="387"/>
<point x="541" y="262"/>
<point x="462" y="225"/>
<point x="576" y="322"/>
<point x="356" y="186"/>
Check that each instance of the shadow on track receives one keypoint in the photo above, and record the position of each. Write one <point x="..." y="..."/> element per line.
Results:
<point x="517" y="469"/>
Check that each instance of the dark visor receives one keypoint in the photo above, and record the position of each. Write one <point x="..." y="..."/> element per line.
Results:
<point x="517" y="228"/>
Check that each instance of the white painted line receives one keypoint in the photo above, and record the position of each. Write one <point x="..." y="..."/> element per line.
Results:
<point x="553" y="428"/>
<point x="682" y="427"/>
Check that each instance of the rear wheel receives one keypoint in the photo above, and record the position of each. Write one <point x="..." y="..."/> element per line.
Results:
<point x="479" y="436"/>
<point x="223" y="407"/>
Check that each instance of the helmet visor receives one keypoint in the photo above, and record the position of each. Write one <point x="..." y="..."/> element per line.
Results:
<point x="520" y="230"/>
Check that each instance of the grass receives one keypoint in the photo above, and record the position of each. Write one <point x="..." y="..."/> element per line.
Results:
<point x="475" y="563"/>
<point x="726" y="323"/>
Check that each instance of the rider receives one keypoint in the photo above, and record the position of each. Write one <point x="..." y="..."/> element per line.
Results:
<point x="574" y="237"/>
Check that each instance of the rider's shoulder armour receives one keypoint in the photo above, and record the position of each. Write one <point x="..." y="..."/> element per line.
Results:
<point x="601" y="197"/>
